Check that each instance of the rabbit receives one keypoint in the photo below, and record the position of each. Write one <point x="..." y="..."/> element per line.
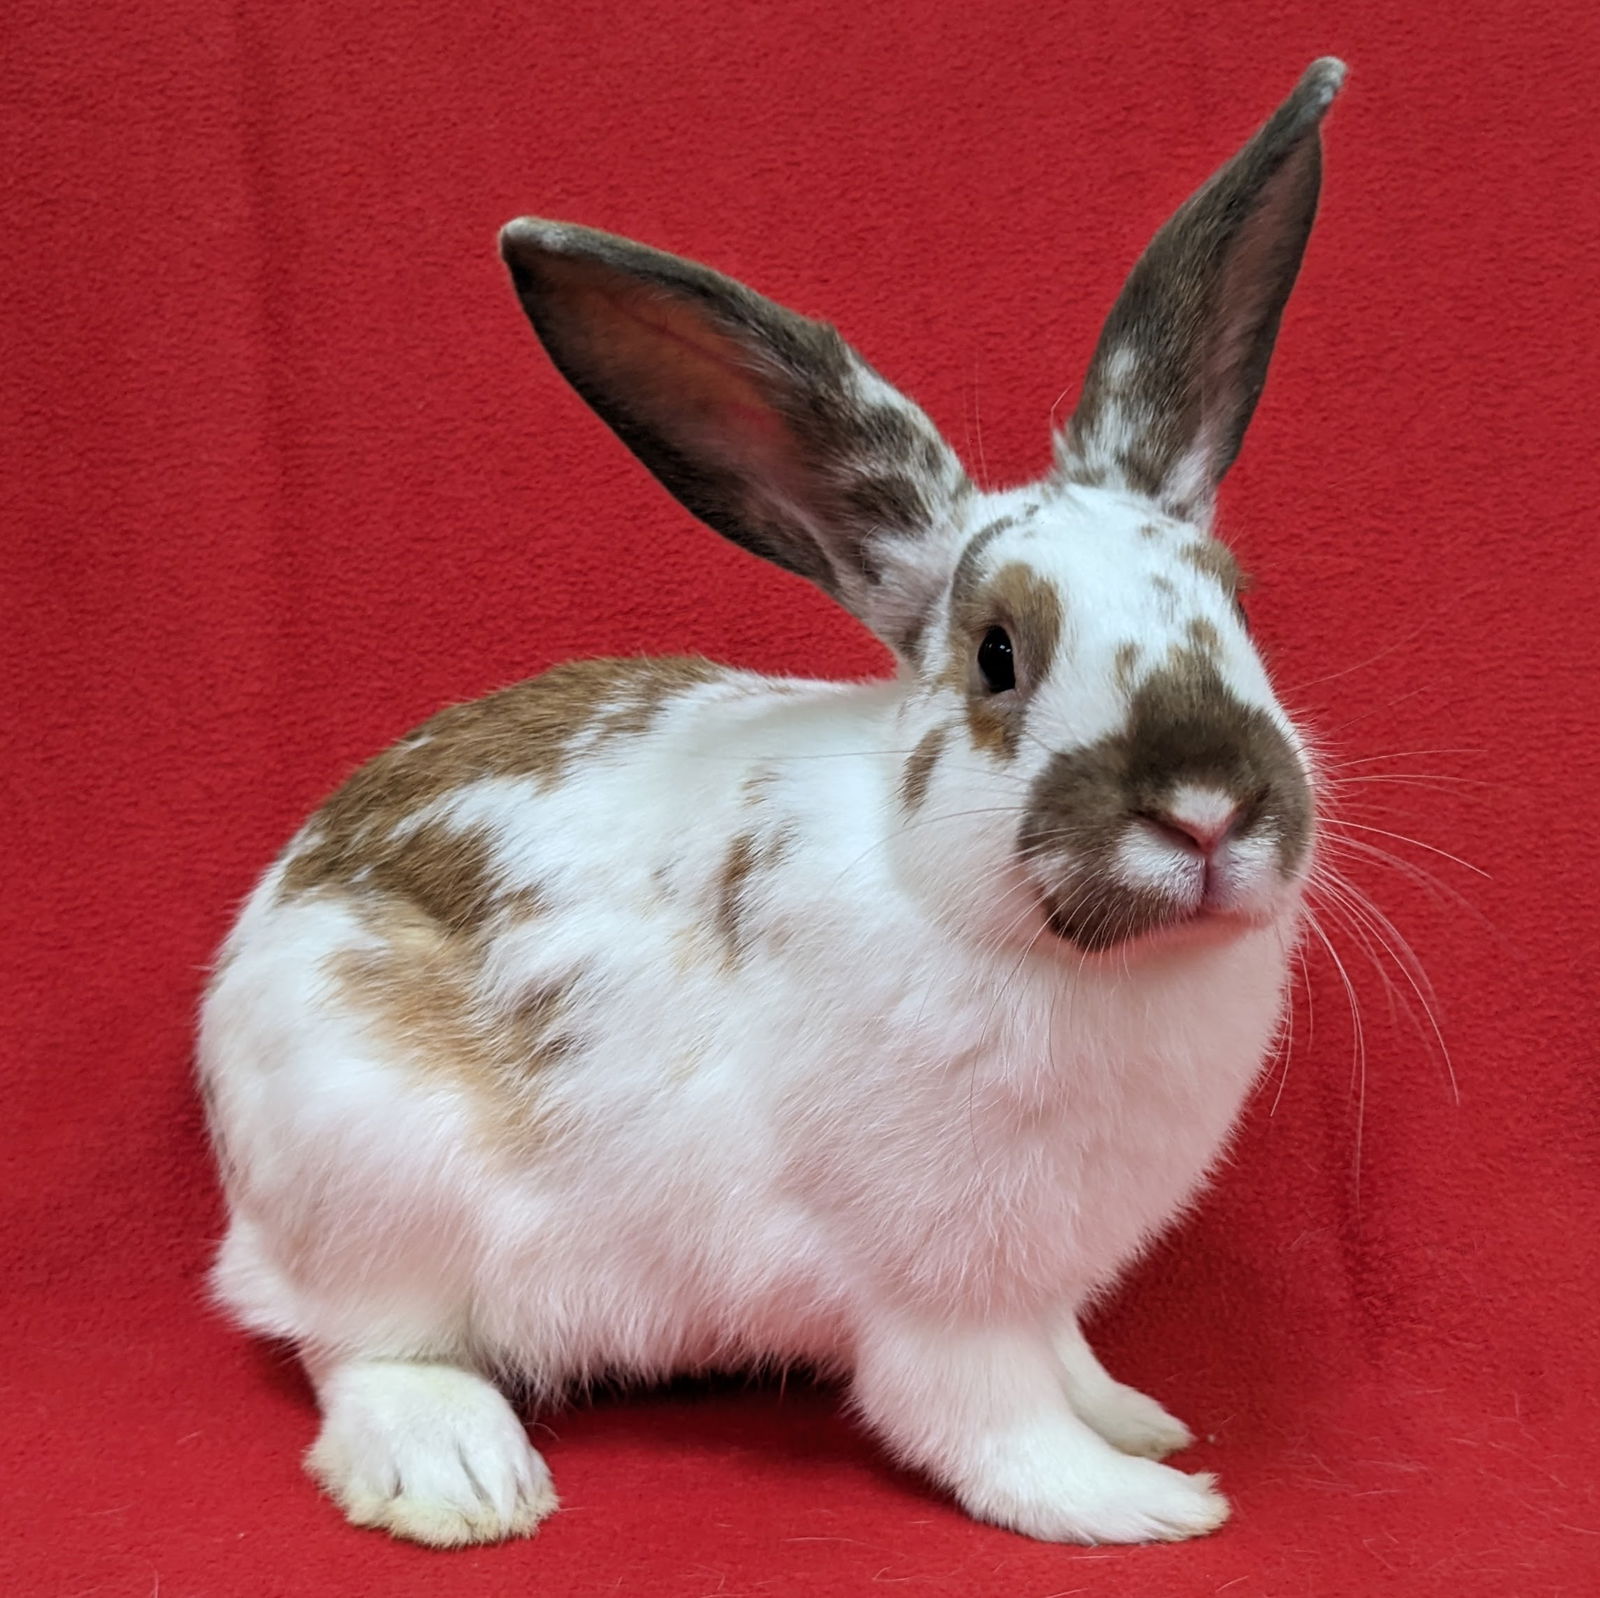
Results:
<point x="656" y="1016"/>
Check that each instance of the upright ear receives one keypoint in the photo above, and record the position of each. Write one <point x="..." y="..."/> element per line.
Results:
<point x="765" y="425"/>
<point x="1181" y="360"/>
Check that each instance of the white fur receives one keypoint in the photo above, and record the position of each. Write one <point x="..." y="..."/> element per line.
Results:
<point x="1208" y="809"/>
<point x="1146" y="860"/>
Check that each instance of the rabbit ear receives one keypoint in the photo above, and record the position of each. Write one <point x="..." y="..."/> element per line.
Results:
<point x="1181" y="360"/>
<point x="765" y="425"/>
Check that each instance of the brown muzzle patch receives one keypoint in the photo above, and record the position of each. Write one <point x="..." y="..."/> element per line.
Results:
<point x="1186" y="726"/>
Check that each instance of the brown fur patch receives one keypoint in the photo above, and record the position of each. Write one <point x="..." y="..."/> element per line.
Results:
<point x="736" y="868"/>
<point x="444" y="871"/>
<point x="993" y="726"/>
<point x="909" y="642"/>
<point x="524" y="731"/>
<point x="966" y="573"/>
<point x="1029" y="608"/>
<point x="1123" y="664"/>
<point x="748" y="855"/>
<point x="918" y="771"/>
<point x="1205" y="638"/>
<point x="758" y="785"/>
<point x="521" y="905"/>
<point x="887" y="499"/>
<point x="1215" y="561"/>
<point x="417" y="994"/>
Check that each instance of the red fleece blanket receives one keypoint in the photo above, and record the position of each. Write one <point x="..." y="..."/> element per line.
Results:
<point x="284" y="471"/>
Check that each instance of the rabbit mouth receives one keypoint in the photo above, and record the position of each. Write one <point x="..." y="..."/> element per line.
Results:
<point x="1095" y="917"/>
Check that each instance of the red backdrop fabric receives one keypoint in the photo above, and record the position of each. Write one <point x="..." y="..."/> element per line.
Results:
<point x="285" y="471"/>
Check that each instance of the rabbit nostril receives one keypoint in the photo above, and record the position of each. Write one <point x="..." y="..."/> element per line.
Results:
<point x="1198" y="834"/>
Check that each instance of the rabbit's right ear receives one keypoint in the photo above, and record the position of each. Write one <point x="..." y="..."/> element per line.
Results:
<point x="766" y="425"/>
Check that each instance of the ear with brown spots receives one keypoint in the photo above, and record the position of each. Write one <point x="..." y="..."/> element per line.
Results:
<point x="1183" y="356"/>
<point x="762" y="423"/>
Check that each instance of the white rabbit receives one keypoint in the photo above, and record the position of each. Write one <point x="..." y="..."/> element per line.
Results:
<point x="656" y="1016"/>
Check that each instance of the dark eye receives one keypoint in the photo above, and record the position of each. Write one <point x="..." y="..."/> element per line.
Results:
<point x="995" y="661"/>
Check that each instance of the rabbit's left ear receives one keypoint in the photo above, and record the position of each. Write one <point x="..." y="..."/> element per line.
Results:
<point x="1183" y="355"/>
<point x="766" y="425"/>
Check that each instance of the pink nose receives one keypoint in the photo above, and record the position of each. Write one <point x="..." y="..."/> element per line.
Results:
<point x="1204" y="836"/>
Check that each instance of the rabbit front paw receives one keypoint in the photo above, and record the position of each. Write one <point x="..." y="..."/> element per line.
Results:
<point x="1133" y="1422"/>
<point x="1082" y="1497"/>
<point x="431" y="1453"/>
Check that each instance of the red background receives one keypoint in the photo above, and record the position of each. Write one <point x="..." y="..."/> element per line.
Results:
<point x="285" y="471"/>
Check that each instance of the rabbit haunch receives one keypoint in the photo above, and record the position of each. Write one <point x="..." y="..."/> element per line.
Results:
<point x="655" y="1015"/>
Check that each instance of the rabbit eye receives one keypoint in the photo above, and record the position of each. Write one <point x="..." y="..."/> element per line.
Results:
<point x="995" y="661"/>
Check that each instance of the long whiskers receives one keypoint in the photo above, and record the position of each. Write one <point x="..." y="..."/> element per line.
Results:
<point x="1416" y="843"/>
<point x="1360" y="665"/>
<point x="1358" y="1042"/>
<point x="1367" y="920"/>
<point x="1353" y="828"/>
<point x="1283" y="1051"/>
<point x="1344" y="763"/>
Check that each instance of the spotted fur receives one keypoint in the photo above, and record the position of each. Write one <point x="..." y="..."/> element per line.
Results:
<point x="654" y="1015"/>
<point x="919" y="768"/>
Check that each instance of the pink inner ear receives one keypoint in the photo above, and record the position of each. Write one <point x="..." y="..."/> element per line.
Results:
<point x="664" y="352"/>
<point x="1248" y="274"/>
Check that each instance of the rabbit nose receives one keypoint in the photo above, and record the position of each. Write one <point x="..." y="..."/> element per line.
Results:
<point x="1198" y="827"/>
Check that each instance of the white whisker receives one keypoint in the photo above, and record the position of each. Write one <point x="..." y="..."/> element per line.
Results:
<point x="1416" y="843"/>
<point x="1359" y="1045"/>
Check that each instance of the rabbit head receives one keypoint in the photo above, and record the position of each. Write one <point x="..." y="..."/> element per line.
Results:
<point x="1089" y="741"/>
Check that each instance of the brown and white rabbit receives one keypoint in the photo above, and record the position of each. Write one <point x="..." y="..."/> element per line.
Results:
<point x="654" y="1016"/>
